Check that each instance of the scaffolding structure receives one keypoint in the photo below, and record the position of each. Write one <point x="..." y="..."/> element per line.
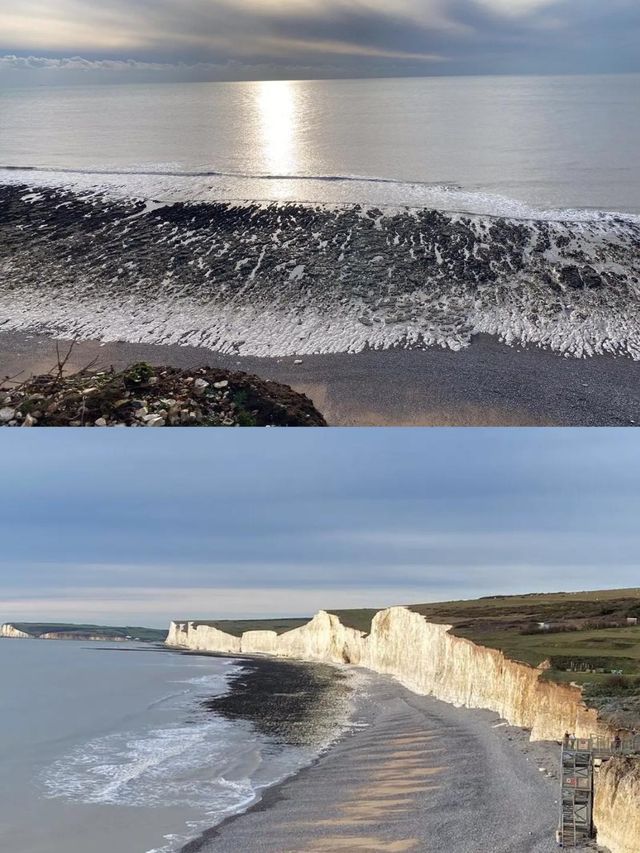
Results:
<point x="576" y="792"/>
<point x="579" y="758"/>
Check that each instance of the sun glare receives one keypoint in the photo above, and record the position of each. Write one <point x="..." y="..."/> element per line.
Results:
<point x="278" y="119"/>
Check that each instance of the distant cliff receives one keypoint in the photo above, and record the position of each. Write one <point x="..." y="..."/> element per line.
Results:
<point x="86" y="633"/>
<point x="14" y="633"/>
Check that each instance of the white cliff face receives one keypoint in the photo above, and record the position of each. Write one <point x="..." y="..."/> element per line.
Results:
<point x="202" y="638"/>
<point x="616" y="806"/>
<point x="13" y="633"/>
<point x="426" y="658"/>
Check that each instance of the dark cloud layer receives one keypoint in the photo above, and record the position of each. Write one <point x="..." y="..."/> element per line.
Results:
<point x="230" y="39"/>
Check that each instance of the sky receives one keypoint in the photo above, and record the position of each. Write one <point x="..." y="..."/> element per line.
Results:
<point x="144" y="527"/>
<point x="67" y="41"/>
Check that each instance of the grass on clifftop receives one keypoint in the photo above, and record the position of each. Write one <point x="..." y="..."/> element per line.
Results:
<point x="585" y="635"/>
<point x="237" y="627"/>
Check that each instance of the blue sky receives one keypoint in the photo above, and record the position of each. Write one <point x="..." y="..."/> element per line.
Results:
<point x="134" y="40"/>
<point x="124" y="527"/>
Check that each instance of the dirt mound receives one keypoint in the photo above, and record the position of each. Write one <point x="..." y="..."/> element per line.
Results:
<point x="146" y="396"/>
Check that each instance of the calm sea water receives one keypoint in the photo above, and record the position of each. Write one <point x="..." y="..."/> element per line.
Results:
<point x="486" y="144"/>
<point x="107" y="750"/>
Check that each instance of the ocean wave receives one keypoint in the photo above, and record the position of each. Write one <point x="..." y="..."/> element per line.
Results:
<point x="209" y="769"/>
<point x="210" y="173"/>
<point x="167" y="185"/>
<point x="155" y="768"/>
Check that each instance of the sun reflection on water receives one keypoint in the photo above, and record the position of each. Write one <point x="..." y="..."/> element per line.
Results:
<point x="278" y="114"/>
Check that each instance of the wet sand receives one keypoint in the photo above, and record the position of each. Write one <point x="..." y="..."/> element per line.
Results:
<point x="488" y="384"/>
<point x="414" y="775"/>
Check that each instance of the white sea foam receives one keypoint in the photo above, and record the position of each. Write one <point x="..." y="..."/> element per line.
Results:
<point x="163" y="186"/>
<point x="281" y="280"/>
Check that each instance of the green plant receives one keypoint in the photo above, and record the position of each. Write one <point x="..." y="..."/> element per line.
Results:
<point x="139" y="373"/>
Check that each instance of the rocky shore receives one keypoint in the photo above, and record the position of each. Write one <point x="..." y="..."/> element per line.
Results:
<point x="294" y="703"/>
<point x="144" y="396"/>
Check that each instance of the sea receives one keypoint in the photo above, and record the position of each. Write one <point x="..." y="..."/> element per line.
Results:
<point x="109" y="747"/>
<point x="277" y="218"/>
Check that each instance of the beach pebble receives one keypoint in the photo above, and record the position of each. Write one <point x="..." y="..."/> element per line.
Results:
<point x="298" y="361"/>
<point x="29" y="421"/>
<point x="201" y="384"/>
<point x="101" y="422"/>
<point x="221" y="385"/>
<point x="7" y="415"/>
<point x="155" y="421"/>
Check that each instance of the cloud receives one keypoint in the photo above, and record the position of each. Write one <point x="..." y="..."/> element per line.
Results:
<point x="287" y="522"/>
<point x="78" y="63"/>
<point x="29" y="69"/>
<point x="157" y="606"/>
<point x="209" y="39"/>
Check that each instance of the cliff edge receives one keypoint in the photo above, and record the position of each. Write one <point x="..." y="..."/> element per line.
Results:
<point x="426" y="658"/>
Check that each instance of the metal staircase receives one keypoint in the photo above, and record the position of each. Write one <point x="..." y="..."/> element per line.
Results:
<point x="576" y="794"/>
<point x="580" y="758"/>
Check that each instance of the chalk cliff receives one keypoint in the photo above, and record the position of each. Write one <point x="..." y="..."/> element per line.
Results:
<point x="201" y="638"/>
<point x="426" y="658"/>
<point x="616" y="807"/>
<point x="10" y="631"/>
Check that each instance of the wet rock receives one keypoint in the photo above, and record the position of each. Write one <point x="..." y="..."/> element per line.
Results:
<point x="579" y="278"/>
<point x="571" y="277"/>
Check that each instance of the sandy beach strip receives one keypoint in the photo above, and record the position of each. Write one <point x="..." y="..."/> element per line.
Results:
<point x="488" y="384"/>
<point x="414" y="774"/>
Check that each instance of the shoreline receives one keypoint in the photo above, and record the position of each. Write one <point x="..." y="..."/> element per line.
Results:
<point x="486" y="384"/>
<point x="315" y="706"/>
<point x="426" y="766"/>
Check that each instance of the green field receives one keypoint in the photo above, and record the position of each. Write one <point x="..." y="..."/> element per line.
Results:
<point x="237" y="627"/>
<point x="605" y="649"/>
